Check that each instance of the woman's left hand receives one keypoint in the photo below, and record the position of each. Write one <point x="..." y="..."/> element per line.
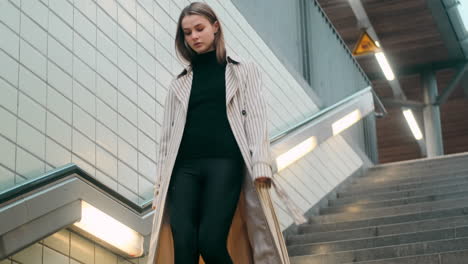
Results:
<point x="266" y="181"/>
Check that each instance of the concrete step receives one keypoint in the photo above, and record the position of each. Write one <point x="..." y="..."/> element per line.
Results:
<point x="389" y="211"/>
<point x="383" y="220"/>
<point x="306" y="236"/>
<point x="406" y="193"/>
<point x="307" y="248"/>
<point x="371" y="183"/>
<point x="450" y="257"/>
<point x="426" y="172"/>
<point x="419" y="163"/>
<point x="386" y="252"/>
<point x="361" y="206"/>
<point x="378" y="188"/>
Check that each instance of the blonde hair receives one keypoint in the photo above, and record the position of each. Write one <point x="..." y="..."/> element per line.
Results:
<point x="183" y="50"/>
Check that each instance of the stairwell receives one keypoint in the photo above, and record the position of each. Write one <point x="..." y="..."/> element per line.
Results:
<point x="407" y="212"/>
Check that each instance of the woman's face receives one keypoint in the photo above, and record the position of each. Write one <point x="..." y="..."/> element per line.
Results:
<point x="199" y="33"/>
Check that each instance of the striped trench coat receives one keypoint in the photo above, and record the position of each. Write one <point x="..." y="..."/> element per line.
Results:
<point x="255" y="235"/>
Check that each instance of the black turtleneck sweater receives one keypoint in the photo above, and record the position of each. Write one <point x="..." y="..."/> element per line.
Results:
<point x="207" y="132"/>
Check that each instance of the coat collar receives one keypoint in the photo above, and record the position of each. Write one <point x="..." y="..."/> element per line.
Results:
<point x="183" y="84"/>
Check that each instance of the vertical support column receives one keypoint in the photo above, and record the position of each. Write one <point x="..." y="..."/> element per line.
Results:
<point x="370" y="137"/>
<point x="431" y="114"/>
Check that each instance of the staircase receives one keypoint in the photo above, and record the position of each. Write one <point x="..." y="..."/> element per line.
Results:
<point x="407" y="212"/>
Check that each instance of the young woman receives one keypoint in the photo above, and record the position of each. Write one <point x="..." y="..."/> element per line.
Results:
<point x="215" y="165"/>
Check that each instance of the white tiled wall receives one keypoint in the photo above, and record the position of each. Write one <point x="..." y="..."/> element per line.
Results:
<point x="84" y="81"/>
<point x="66" y="247"/>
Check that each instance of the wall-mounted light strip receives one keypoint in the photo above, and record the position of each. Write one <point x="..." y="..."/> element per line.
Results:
<point x="103" y="228"/>
<point x="412" y="124"/>
<point x="295" y="153"/>
<point x="346" y="121"/>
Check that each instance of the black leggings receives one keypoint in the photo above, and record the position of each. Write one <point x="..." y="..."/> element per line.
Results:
<point x="202" y="199"/>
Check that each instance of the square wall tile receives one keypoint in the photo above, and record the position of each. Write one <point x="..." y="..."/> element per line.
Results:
<point x="9" y="68"/>
<point x="106" y="92"/>
<point x="59" y="104"/>
<point x="60" y="80"/>
<point x="34" y="34"/>
<point x="28" y="165"/>
<point x="106" y="115"/>
<point x="33" y="60"/>
<point x="9" y="41"/>
<point x="103" y="256"/>
<point x="56" y="154"/>
<point x="146" y="124"/>
<point x="146" y="166"/>
<point x="106" y="138"/>
<point x="126" y="20"/>
<point x="84" y="98"/>
<point x="59" y="241"/>
<point x="7" y="156"/>
<point x="84" y="50"/>
<point x="29" y="255"/>
<point x="106" y="162"/>
<point x="81" y="249"/>
<point x="147" y="103"/>
<point x="31" y="139"/>
<point x="128" y="154"/>
<point x="106" y="69"/>
<point x="128" y="177"/>
<point x="8" y="127"/>
<point x="7" y="179"/>
<point x="108" y="47"/>
<point x="83" y="147"/>
<point x="84" y="122"/>
<point x="32" y="112"/>
<point x="127" y="109"/>
<point x="128" y="87"/>
<point x="85" y="75"/>
<point x="37" y="11"/>
<point x="63" y="9"/>
<point x="105" y="22"/>
<point x="147" y="82"/>
<point x="60" y="55"/>
<point x="146" y="145"/>
<point x="128" y="131"/>
<point x="88" y="8"/>
<point x="32" y="85"/>
<point x="59" y="130"/>
<point x="61" y="30"/>
<point x="85" y="27"/>
<point x="126" y="42"/>
<point x="9" y="96"/>
<point x="53" y="257"/>
<point x="10" y="15"/>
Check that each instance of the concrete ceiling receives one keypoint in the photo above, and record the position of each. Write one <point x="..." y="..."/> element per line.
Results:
<point x="416" y="35"/>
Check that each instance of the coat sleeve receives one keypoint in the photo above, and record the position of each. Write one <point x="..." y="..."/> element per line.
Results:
<point x="164" y="137"/>
<point x="256" y="125"/>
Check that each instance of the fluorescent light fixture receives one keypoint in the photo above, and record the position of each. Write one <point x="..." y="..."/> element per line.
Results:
<point x="346" y="121"/>
<point x="383" y="62"/>
<point x="463" y="11"/>
<point x="377" y="43"/>
<point x="99" y="226"/>
<point x="295" y="153"/>
<point x="412" y="124"/>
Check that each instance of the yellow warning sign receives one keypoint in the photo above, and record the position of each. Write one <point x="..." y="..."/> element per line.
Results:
<point x="365" y="45"/>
